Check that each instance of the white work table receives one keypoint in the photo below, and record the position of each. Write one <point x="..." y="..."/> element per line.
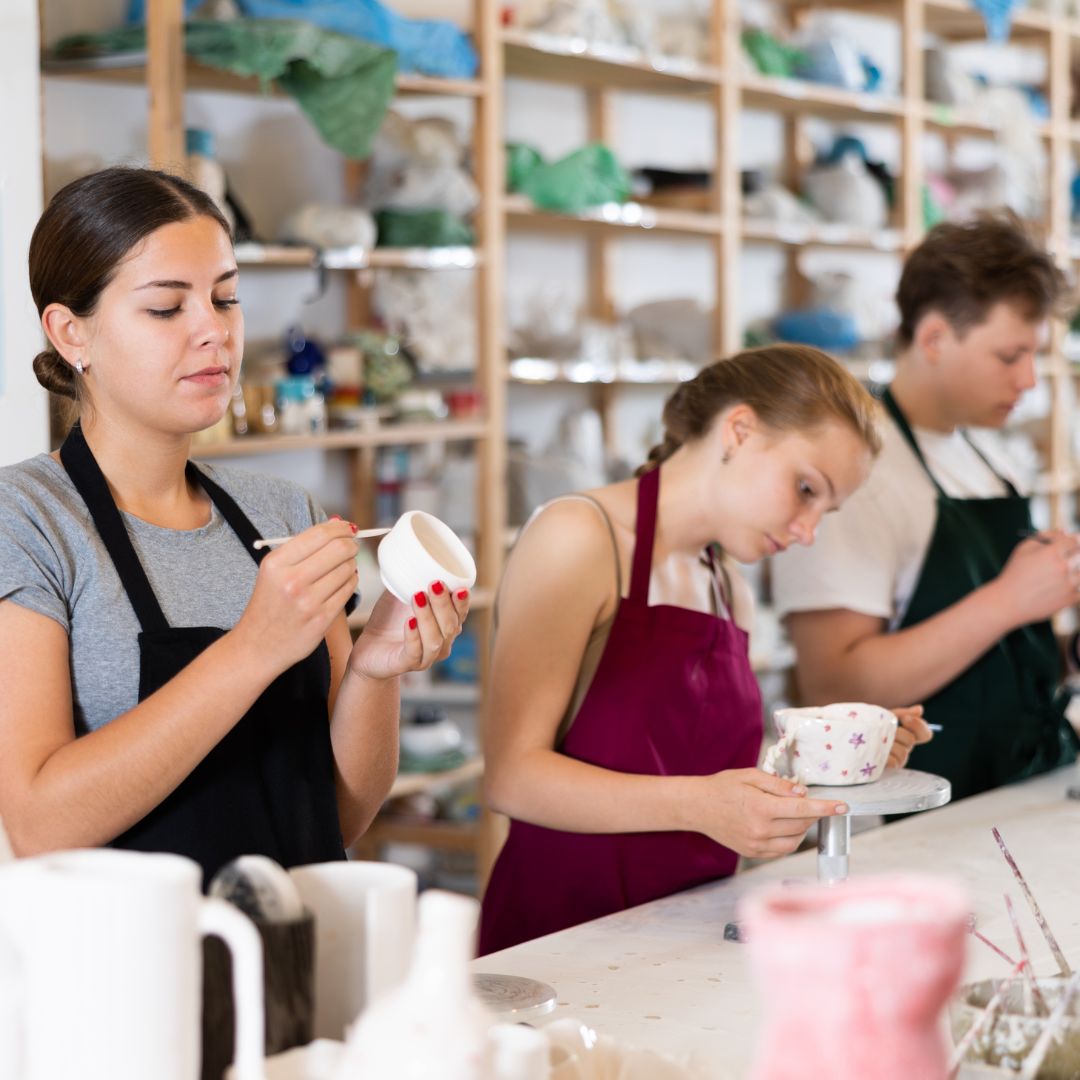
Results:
<point x="661" y="976"/>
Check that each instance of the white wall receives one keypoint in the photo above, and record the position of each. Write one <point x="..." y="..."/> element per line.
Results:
<point x="23" y="404"/>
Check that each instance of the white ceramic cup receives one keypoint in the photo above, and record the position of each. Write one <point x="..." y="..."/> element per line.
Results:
<point x="420" y="550"/>
<point x="835" y="745"/>
<point x="365" y="922"/>
<point x="110" y="962"/>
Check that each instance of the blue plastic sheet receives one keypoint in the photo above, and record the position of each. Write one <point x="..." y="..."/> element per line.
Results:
<point x="430" y="46"/>
<point x="832" y="331"/>
<point x="997" y="14"/>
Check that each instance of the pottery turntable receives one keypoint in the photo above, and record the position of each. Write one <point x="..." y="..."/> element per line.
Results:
<point x="899" y="791"/>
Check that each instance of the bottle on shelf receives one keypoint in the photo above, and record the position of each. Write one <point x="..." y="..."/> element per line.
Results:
<point x="205" y="171"/>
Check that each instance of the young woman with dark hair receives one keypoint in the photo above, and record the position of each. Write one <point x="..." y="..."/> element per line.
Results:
<point x="165" y="686"/>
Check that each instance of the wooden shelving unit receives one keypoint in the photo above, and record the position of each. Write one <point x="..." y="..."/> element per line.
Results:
<point x="731" y="88"/>
<point x="384" y="435"/>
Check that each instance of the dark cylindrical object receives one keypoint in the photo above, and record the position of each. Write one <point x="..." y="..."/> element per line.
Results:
<point x="288" y="992"/>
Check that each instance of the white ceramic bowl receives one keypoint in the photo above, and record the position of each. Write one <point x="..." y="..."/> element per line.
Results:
<point x="420" y="550"/>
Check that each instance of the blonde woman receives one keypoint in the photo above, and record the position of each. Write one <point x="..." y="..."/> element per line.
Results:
<point x="626" y="721"/>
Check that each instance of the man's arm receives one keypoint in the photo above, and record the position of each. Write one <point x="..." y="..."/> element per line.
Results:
<point x="847" y="656"/>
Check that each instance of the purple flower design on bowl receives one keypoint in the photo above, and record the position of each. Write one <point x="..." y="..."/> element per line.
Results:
<point x="868" y="769"/>
<point x="858" y="739"/>
<point x="824" y="766"/>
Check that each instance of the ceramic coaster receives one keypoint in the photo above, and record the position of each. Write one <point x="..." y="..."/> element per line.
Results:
<point x="513" y="998"/>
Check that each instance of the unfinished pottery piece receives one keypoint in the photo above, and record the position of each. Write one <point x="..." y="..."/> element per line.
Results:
<point x="421" y="549"/>
<point x="853" y="977"/>
<point x="835" y="745"/>
<point x="1009" y="1038"/>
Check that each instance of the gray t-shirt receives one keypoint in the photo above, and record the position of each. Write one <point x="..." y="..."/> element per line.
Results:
<point x="52" y="561"/>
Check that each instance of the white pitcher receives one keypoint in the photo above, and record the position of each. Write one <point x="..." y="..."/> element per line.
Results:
<point x="107" y="946"/>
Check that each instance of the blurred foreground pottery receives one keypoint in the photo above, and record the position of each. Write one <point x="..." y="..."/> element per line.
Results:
<point x="853" y="977"/>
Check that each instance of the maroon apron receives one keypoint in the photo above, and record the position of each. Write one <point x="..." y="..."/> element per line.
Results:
<point x="674" y="695"/>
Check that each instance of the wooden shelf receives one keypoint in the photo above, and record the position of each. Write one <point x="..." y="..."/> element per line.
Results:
<point x="973" y="122"/>
<point x="359" y="258"/>
<point x="445" y="835"/>
<point x="631" y="216"/>
<point x="822" y="235"/>
<point x="415" y="783"/>
<point x="958" y="20"/>
<point x="547" y="57"/>
<point x="386" y="435"/>
<point x="432" y="86"/>
<point x="535" y="371"/>
<point x="130" y="69"/>
<point x="796" y="96"/>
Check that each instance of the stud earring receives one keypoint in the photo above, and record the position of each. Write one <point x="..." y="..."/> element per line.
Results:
<point x="79" y="367"/>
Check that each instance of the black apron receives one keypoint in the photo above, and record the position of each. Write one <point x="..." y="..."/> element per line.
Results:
<point x="268" y="787"/>
<point x="1003" y="719"/>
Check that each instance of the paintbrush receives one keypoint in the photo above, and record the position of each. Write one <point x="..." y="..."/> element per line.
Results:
<point x="1042" y="1045"/>
<point x="277" y="541"/>
<point x="987" y="942"/>
<point x="981" y="1021"/>
<point x="1059" y="956"/>
<point x="1034" y="994"/>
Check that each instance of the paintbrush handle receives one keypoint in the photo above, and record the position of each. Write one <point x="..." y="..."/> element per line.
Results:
<point x="277" y="541"/>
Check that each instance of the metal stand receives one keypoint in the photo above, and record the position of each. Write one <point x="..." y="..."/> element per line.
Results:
<point x="899" y="791"/>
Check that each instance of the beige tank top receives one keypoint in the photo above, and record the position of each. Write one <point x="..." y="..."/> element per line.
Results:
<point x="598" y="638"/>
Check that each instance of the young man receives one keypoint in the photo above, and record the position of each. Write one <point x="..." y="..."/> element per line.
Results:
<point x="923" y="587"/>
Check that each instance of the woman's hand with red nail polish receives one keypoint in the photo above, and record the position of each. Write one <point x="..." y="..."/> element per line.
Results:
<point x="385" y="650"/>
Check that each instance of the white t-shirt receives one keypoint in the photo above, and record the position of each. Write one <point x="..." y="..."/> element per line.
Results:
<point x="868" y="556"/>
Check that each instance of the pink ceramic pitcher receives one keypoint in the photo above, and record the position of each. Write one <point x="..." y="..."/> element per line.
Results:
<point x="853" y="977"/>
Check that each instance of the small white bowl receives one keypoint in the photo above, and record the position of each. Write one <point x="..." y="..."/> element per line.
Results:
<point x="420" y="550"/>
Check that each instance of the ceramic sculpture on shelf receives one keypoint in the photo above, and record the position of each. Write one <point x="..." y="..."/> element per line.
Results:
<point x="420" y="165"/>
<point x="853" y="978"/>
<point x="324" y="225"/>
<point x="847" y="194"/>
<point x="432" y="314"/>
<point x="595" y="21"/>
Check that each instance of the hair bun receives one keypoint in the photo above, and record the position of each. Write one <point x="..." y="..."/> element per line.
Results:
<point x="55" y="374"/>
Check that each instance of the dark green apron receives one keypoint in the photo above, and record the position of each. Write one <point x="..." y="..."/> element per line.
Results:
<point x="1004" y="718"/>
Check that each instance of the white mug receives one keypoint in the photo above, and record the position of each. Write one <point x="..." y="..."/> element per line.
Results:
<point x="419" y="550"/>
<point x="365" y="922"/>
<point x="110" y="961"/>
<point x="834" y="745"/>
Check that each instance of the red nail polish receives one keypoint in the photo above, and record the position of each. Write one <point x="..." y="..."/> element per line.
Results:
<point x="420" y="600"/>
<point x="412" y="623"/>
<point x="463" y="594"/>
<point x="437" y="588"/>
<point x="355" y="528"/>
